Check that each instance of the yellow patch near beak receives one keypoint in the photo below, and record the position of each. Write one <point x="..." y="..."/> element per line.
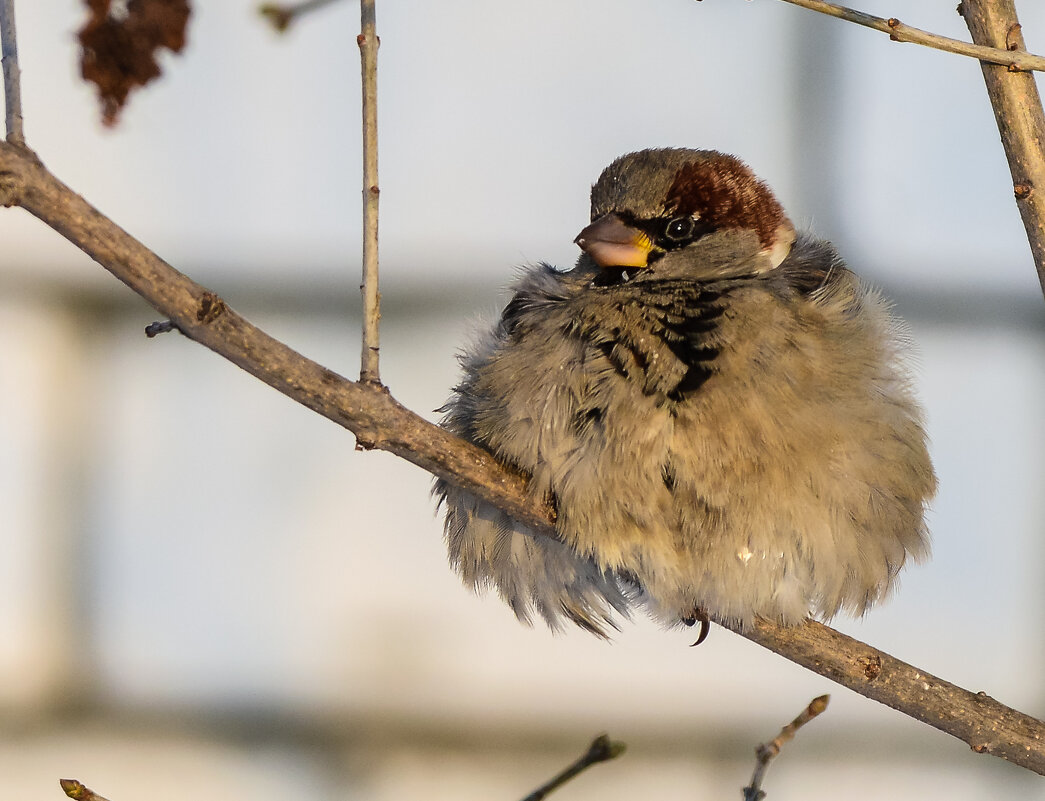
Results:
<point x="612" y="243"/>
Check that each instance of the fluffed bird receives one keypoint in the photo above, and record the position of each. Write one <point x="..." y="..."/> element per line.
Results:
<point x="719" y="411"/>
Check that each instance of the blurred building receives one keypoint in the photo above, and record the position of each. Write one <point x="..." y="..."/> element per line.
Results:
<point x="207" y="592"/>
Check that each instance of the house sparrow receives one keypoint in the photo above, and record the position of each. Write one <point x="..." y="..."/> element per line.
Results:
<point x="717" y="409"/>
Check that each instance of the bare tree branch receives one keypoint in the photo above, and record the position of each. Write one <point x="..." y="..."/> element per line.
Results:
<point x="368" y="411"/>
<point x="380" y="422"/>
<point x="1017" y="109"/>
<point x="369" y="369"/>
<point x="12" y="75"/>
<point x="766" y="752"/>
<point x="899" y="32"/>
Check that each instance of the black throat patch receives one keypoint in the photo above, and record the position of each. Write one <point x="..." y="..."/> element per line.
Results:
<point x="658" y="334"/>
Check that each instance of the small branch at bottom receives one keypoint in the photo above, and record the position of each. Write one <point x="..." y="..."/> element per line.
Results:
<point x="78" y="791"/>
<point x="602" y="749"/>
<point x="766" y="751"/>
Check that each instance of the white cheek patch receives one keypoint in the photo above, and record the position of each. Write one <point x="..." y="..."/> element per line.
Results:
<point x="781" y="247"/>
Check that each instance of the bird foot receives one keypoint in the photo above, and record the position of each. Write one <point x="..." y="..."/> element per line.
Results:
<point x="701" y="617"/>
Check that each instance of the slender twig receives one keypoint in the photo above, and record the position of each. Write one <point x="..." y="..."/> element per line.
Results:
<point x="78" y="791"/>
<point x="369" y="371"/>
<point x="1017" y="109"/>
<point x="12" y="75"/>
<point x="381" y="422"/>
<point x="899" y="32"/>
<point x="602" y="749"/>
<point x="765" y="753"/>
<point x="282" y="15"/>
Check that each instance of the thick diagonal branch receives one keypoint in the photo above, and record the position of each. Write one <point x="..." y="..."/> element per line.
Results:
<point x="379" y="421"/>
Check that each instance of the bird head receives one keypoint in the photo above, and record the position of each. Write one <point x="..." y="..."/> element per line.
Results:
<point x="685" y="213"/>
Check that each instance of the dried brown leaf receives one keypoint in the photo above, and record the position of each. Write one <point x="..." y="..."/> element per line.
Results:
<point x="120" y="42"/>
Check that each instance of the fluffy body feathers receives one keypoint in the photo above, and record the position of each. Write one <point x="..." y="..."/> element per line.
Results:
<point x="728" y="431"/>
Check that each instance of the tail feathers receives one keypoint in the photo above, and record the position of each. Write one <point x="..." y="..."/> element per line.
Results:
<point x="535" y="575"/>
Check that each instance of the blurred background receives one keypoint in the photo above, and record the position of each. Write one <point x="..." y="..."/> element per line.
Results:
<point x="206" y="592"/>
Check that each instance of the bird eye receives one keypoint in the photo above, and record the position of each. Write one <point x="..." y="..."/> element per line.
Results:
<point x="679" y="228"/>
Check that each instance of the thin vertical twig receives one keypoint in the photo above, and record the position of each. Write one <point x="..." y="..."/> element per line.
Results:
<point x="12" y="75"/>
<point x="1018" y="112"/>
<point x="369" y="371"/>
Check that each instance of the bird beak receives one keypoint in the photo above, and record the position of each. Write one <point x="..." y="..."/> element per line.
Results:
<point x="612" y="243"/>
